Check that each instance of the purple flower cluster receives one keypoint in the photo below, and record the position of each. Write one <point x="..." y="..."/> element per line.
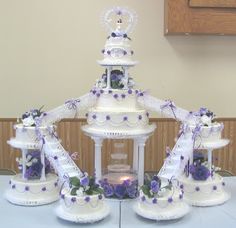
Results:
<point x="34" y="170"/>
<point x="199" y="171"/>
<point x="205" y="111"/>
<point x="128" y="189"/>
<point x="151" y="186"/>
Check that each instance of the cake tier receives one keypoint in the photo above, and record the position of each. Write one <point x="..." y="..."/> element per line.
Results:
<point x="33" y="192"/>
<point x="207" y="134"/>
<point x="81" y="205"/>
<point x="168" y="206"/>
<point x="204" y="193"/>
<point x="120" y="123"/>
<point x="117" y="51"/>
<point x="27" y="138"/>
<point x="116" y="99"/>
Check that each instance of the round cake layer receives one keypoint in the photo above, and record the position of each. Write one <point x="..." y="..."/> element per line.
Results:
<point x="117" y="51"/>
<point x="110" y="120"/>
<point x="33" y="192"/>
<point x="164" y="204"/>
<point x="207" y="134"/>
<point x="204" y="193"/>
<point x="27" y="137"/>
<point x="86" y="204"/>
<point x="116" y="99"/>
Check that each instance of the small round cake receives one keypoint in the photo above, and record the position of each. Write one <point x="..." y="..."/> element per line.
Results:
<point x="169" y="205"/>
<point x="82" y="209"/>
<point x="33" y="192"/>
<point x="204" y="193"/>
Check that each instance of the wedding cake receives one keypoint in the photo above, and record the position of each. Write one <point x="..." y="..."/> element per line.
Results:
<point x="35" y="185"/>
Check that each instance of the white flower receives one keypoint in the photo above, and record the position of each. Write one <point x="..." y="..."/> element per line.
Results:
<point x="80" y="192"/>
<point x="29" y="121"/>
<point x="206" y="120"/>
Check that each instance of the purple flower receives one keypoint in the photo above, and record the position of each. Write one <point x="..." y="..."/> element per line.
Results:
<point x="125" y="118"/>
<point x="99" y="196"/>
<point x="73" y="199"/>
<point x="130" y="91"/>
<point x="94" y="116"/>
<point x="154" y="201"/>
<point x="120" y="191"/>
<point x="87" y="199"/>
<point x="84" y="181"/>
<point x="170" y="200"/>
<point x="200" y="172"/>
<point x="108" y="190"/>
<point x="143" y="198"/>
<point x="154" y="186"/>
<point x="115" y="96"/>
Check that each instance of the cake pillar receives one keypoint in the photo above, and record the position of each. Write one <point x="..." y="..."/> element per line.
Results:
<point x="43" y="177"/>
<point x="209" y="160"/>
<point x="24" y="152"/>
<point x="109" y="77"/>
<point x="126" y="76"/>
<point x="98" y="157"/>
<point x="135" y="155"/>
<point x="141" y="145"/>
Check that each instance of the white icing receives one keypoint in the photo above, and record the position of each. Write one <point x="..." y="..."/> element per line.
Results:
<point x="80" y="205"/>
<point x="33" y="192"/>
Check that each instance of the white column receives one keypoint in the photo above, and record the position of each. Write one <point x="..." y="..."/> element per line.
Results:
<point x="135" y="155"/>
<point x="98" y="157"/>
<point x="126" y="76"/>
<point x="141" y="145"/>
<point x="209" y="160"/>
<point x="24" y="152"/>
<point x="43" y="177"/>
<point x="109" y="77"/>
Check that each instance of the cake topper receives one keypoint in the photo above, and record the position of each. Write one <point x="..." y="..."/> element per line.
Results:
<point x="123" y="18"/>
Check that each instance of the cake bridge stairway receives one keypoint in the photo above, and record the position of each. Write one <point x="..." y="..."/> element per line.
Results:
<point x="178" y="158"/>
<point x="54" y="151"/>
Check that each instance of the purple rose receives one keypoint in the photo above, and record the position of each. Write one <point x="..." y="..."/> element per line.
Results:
<point x="154" y="186"/>
<point x="84" y="181"/>
<point x="108" y="190"/>
<point x="120" y="191"/>
<point x="200" y="172"/>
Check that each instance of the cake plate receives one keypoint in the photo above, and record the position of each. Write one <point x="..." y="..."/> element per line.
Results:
<point x="83" y="218"/>
<point x="172" y="214"/>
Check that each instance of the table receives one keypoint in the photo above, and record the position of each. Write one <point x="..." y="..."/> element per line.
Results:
<point x="223" y="216"/>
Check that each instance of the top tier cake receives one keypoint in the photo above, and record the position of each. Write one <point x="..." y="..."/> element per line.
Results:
<point x="117" y="113"/>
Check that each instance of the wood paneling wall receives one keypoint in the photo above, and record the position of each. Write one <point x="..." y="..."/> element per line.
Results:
<point x="74" y="140"/>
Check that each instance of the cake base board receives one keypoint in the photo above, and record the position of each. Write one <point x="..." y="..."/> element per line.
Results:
<point x="172" y="214"/>
<point x="85" y="218"/>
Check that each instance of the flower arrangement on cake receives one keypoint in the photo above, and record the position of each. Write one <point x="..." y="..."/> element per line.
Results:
<point x="29" y="119"/>
<point x="126" y="190"/>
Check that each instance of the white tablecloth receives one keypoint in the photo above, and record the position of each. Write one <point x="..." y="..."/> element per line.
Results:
<point x="223" y="216"/>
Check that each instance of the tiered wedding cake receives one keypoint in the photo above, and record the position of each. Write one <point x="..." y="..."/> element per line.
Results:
<point x="35" y="185"/>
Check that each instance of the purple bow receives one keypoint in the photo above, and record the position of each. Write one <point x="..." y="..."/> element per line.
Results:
<point x="169" y="104"/>
<point x="72" y="104"/>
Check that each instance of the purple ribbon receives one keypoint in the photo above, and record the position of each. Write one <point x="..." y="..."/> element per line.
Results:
<point x="169" y="104"/>
<point x="72" y="104"/>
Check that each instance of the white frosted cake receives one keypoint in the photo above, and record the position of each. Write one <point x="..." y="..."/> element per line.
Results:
<point x="160" y="203"/>
<point x="33" y="192"/>
<point x="36" y="185"/>
<point x="204" y="193"/>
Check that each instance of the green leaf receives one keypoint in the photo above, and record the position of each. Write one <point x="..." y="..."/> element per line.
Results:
<point x="146" y="191"/>
<point x="73" y="191"/>
<point x="74" y="181"/>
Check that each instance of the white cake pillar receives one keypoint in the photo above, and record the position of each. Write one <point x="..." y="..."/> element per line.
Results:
<point x="98" y="157"/>
<point x="43" y="177"/>
<point x="126" y="76"/>
<point x="209" y="159"/>
<point x="141" y="145"/>
<point x="135" y="155"/>
<point x="24" y="152"/>
<point x="109" y="68"/>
